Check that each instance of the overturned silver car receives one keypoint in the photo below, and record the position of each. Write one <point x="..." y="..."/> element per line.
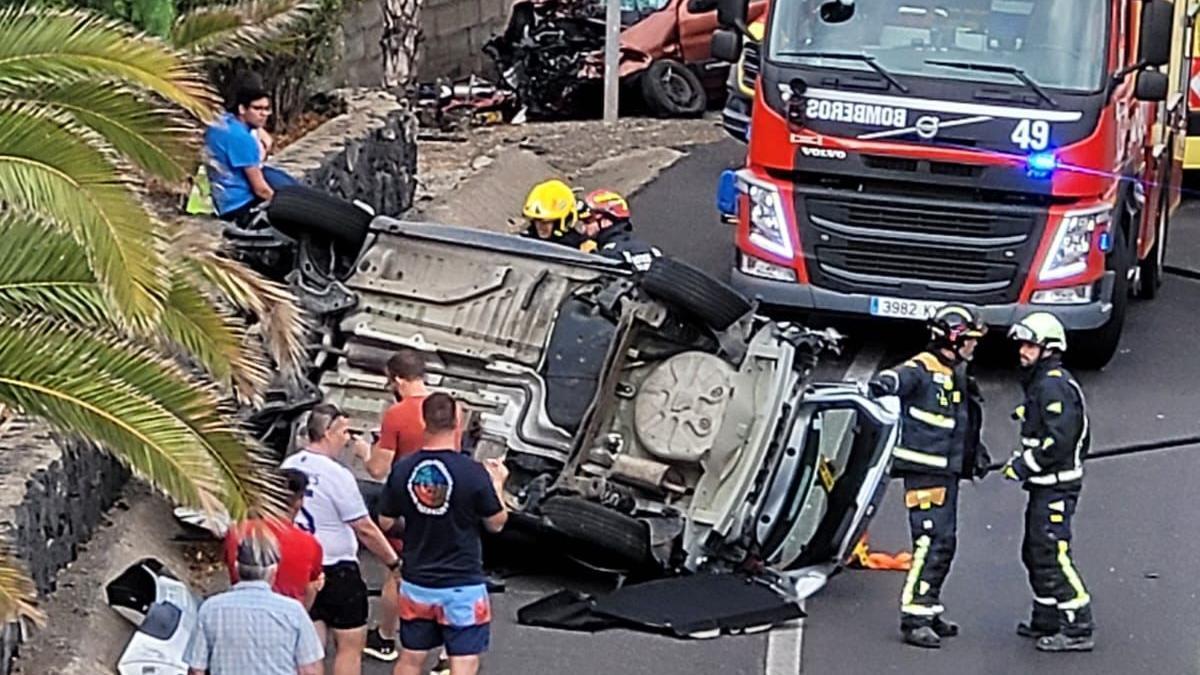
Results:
<point x="651" y="420"/>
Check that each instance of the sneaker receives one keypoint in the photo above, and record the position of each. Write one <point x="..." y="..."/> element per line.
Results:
<point x="379" y="647"/>
<point x="442" y="667"/>
<point x="945" y="628"/>
<point x="923" y="637"/>
<point x="1060" y="642"/>
<point x="1028" y="630"/>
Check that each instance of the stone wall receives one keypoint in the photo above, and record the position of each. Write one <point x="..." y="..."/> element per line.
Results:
<point x="53" y="494"/>
<point x="453" y="33"/>
<point x="368" y="154"/>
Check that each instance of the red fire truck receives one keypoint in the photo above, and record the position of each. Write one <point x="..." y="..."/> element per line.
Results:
<point x="1013" y="155"/>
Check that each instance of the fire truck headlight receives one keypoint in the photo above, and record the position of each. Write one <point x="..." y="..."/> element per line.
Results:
<point x="768" y="225"/>
<point x="1068" y="253"/>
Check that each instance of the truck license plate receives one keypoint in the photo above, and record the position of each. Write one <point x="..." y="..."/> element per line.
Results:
<point x="903" y="308"/>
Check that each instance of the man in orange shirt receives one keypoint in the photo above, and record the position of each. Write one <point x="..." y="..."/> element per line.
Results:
<point x="300" y="574"/>
<point x="401" y="433"/>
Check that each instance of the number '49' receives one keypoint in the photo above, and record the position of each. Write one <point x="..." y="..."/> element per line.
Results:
<point x="1031" y="135"/>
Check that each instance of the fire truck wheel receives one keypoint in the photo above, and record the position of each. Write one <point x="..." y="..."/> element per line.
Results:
<point x="1093" y="349"/>
<point x="692" y="291"/>
<point x="671" y="89"/>
<point x="1150" y="276"/>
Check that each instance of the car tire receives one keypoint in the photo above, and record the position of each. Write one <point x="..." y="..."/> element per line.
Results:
<point x="297" y="210"/>
<point x="615" y="537"/>
<point x="1093" y="349"/>
<point x="692" y="291"/>
<point x="671" y="89"/>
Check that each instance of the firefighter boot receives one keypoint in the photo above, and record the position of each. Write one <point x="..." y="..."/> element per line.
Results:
<point x="1061" y="642"/>
<point x="922" y="636"/>
<point x="944" y="628"/>
<point x="1030" y="630"/>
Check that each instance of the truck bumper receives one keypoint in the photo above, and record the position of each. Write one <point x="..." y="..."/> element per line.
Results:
<point x="793" y="296"/>
<point x="735" y="117"/>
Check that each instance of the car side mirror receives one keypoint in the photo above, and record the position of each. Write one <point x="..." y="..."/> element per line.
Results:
<point x="732" y="13"/>
<point x="726" y="45"/>
<point x="1151" y="86"/>
<point x="1154" y="40"/>
<point x="701" y="6"/>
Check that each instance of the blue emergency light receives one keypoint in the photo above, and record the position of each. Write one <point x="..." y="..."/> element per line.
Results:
<point x="1042" y="162"/>
<point x="727" y="194"/>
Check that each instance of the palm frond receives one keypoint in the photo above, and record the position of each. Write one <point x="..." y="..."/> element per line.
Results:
<point x="284" y="326"/>
<point x="18" y="595"/>
<point x="241" y="29"/>
<point x="50" y="167"/>
<point x="42" y="45"/>
<point x="214" y="338"/>
<point x="156" y="138"/>
<point x="168" y="427"/>
<point x="46" y="273"/>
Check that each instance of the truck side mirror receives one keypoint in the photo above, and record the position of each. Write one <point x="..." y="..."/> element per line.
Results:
<point x="1151" y="85"/>
<point x="1154" y="40"/>
<point x="732" y="13"/>
<point x="726" y="45"/>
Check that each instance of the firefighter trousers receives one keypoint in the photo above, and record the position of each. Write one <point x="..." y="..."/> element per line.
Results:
<point x="932" y="503"/>
<point x="1060" y="599"/>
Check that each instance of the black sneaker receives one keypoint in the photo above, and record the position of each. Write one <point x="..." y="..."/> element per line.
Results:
<point x="379" y="647"/>
<point x="1060" y="642"/>
<point x="442" y="667"/>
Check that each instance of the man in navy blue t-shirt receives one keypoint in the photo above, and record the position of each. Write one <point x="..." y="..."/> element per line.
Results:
<point x="446" y="500"/>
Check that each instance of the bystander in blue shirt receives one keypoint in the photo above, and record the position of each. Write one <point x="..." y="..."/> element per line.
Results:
<point x="251" y="630"/>
<point x="231" y="148"/>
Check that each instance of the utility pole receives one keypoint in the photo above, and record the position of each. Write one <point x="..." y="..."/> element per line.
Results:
<point x="612" y="41"/>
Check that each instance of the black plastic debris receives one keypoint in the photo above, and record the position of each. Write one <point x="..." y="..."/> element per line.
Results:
<point x="696" y="606"/>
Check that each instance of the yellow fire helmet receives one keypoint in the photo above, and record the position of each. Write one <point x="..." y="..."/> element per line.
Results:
<point x="552" y="201"/>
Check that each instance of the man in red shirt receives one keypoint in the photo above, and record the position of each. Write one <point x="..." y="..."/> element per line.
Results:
<point x="300" y="574"/>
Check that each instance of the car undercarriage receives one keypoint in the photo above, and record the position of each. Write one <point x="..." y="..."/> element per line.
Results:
<point x="651" y="420"/>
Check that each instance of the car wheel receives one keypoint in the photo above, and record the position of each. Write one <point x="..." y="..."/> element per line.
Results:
<point x="607" y="535"/>
<point x="693" y="291"/>
<point x="297" y="211"/>
<point x="1093" y="349"/>
<point x="671" y="89"/>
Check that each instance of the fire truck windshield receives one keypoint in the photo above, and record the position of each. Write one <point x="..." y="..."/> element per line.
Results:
<point x="1056" y="44"/>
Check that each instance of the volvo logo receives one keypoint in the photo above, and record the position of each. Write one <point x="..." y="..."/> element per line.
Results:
<point x="927" y="126"/>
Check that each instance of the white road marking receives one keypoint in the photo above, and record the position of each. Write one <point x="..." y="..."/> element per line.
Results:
<point x="785" y="646"/>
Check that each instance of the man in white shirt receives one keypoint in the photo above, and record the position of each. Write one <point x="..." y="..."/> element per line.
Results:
<point x="335" y="513"/>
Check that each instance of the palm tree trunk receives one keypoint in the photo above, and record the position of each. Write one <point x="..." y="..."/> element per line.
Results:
<point x="400" y="42"/>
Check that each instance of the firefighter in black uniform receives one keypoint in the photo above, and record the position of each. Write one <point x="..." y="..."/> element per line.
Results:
<point x="941" y="421"/>
<point x="1054" y="440"/>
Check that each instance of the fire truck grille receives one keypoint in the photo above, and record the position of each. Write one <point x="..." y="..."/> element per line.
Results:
<point x="918" y="247"/>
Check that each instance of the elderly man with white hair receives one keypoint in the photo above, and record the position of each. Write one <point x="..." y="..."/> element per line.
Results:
<point x="250" y="629"/>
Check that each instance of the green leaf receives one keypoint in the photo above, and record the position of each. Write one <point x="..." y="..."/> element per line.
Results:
<point x="240" y="30"/>
<point x="46" y="273"/>
<point x="168" y="427"/>
<point x="156" y="138"/>
<point x="40" y="45"/>
<point x="49" y="167"/>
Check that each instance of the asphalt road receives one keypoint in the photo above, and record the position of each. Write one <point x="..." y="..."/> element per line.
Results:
<point x="1137" y="541"/>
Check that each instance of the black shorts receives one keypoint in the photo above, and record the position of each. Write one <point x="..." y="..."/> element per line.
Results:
<point x="342" y="602"/>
